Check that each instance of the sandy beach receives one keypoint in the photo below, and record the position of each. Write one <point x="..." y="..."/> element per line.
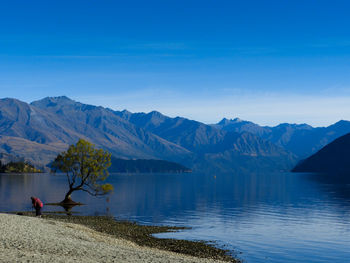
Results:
<point x="29" y="239"/>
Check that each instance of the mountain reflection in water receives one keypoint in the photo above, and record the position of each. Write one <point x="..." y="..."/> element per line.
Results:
<point x="267" y="217"/>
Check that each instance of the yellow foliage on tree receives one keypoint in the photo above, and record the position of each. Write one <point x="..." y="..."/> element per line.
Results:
<point x="86" y="169"/>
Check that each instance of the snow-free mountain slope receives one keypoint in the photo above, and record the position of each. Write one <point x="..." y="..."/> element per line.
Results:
<point x="300" y="139"/>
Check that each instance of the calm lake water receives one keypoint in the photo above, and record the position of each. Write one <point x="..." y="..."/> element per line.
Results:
<point x="262" y="217"/>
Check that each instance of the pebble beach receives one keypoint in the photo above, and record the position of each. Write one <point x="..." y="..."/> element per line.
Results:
<point x="30" y="239"/>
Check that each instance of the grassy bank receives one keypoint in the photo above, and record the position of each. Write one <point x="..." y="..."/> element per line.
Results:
<point x="142" y="235"/>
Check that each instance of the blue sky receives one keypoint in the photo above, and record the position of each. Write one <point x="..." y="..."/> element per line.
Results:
<point x="265" y="61"/>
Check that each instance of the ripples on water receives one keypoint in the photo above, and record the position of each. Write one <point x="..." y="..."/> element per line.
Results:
<point x="263" y="217"/>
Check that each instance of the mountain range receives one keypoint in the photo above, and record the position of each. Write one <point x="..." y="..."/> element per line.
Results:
<point x="300" y="139"/>
<point x="43" y="128"/>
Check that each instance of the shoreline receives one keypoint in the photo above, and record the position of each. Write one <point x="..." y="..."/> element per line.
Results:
<point x="138" y="235"/>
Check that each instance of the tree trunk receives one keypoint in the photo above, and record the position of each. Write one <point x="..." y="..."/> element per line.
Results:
<point x="68" y="199"/>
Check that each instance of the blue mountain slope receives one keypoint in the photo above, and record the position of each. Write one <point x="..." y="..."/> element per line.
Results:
<point x="106" y="129"/>
<point x="302" y="140"/>
<point x="48" y="126"/>
<point x="213" y="147"/>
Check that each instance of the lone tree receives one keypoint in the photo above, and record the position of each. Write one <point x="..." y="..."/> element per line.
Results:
<point x="85" y="168"/>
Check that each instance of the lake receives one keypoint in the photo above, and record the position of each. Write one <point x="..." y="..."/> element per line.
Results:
<point x="262" y="217"/>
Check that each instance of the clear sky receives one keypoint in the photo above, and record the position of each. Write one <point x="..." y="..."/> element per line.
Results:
<point x="264" y="61"/>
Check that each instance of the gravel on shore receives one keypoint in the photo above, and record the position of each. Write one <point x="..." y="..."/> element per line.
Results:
<point x="30" y="239"/>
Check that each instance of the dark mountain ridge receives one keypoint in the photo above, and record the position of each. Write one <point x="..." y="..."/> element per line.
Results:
<point x="333" y="158"/>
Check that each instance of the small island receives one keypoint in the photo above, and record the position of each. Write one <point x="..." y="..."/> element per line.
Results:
<point x="18" y="167"/>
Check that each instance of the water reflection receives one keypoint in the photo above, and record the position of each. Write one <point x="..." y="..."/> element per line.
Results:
<point x="336" y="189"/>
<point x="268" y="217"/>
<point x="337" y="185"/>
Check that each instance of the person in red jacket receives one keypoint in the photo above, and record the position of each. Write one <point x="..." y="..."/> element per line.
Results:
<point x="37" y="204"/>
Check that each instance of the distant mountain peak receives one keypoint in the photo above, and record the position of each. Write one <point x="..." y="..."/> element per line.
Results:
<point x="9" y="99"/>
<point x="125" y="114"/>
<point x="58" y="98"/>
<point x="226" y="121"/>
<point x="10" y="104"/>
<point x="61" y="98"/>
<point x="156" y="114"/>
<point x="53" y="101"/>
<point x="237" y="120"/>
<point x="12" y="100"/>
<point x="294" y="125"/>
<point x="340" y="123"/>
